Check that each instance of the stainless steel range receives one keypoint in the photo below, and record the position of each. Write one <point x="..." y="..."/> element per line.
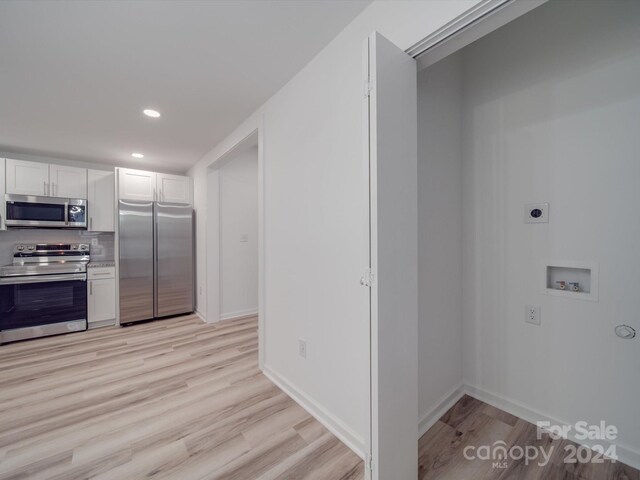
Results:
<point x="44" y="291"/>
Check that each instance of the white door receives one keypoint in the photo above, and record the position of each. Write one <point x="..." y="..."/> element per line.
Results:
<point x="27" y="178"/>
<point x="68" y="182"/>
<point x="136" y="185"/>
<point x="102" y="300"/>
<point x="100" y="196"/>
<point x="174" y="188"/>
<point x="392" y="134"/>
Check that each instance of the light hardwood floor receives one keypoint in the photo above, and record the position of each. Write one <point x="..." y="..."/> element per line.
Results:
<point x="472" y="422"/>
<point x="172" y="399"/>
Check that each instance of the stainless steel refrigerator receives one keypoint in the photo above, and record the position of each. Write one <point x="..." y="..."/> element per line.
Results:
<point x="156" y="260"/>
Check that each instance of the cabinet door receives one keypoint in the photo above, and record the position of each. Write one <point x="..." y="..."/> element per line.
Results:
<point x="174" y="188"/>
<point x="68" y="182"/>
<point x="3" y="204"/>
<point x="27" y="178"/>
<point x="100" y="195"/>
<point x="102" y="300"/>
<point x="136" y="185"/>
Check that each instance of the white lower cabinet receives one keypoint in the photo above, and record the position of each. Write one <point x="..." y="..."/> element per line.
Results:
<point x="101" y="296"/>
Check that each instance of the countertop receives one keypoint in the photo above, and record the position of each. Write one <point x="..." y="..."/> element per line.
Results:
<point x="101" y="263"/>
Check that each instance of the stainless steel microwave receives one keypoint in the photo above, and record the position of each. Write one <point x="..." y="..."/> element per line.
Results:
<point x="45" y="212"/>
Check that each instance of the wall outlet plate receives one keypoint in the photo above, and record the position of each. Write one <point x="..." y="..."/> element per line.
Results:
<point x="536" y="213"/>
<point x="302" y="348"/>
<point x="94" y="242"/>
<point x="532" y="314"/>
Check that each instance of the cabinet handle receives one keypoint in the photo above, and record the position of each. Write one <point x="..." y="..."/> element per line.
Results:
<point x="53" y="189"/>
<point x="90" y="223"/>
<point x="44" y="188"/>
<point x="90" y="287"/>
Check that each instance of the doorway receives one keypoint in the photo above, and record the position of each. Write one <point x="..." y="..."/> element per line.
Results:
<point x="234" y="235"/>
<point x="510" y="125"/>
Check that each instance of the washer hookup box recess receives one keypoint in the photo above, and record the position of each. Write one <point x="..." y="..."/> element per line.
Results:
<point x="577" y="280"/>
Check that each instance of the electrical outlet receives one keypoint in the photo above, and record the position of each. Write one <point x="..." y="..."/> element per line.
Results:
<point x="532" y="314"/>
<point x="302" y="348"/>
<point x="94" y="242"/>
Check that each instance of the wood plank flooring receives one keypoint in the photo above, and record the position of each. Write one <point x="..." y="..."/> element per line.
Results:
<point x="171" y="399"/>
<point x="472" y="422"/>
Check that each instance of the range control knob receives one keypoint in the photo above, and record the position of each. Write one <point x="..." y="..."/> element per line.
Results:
<point x="84" y="247"/>
<point x="20" y="248"/>
<point x="31" y="248"/>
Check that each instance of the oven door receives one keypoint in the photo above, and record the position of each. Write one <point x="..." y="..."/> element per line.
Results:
<point x="39" y="305"/>
<point x="45" y="212"/>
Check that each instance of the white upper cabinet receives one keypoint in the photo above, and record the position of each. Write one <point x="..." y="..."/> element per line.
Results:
<point x="67" y="182"/>
<point x="136" y="185"/>
<point x="174" y="188"/>
<point x="2" y="202"/>
<point x="153" y="187"/>
<point x="100" y="196"/>
<point x="43" y="179"/>
<point x="27" y="178"/>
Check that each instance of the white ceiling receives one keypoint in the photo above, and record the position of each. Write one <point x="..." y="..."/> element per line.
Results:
<point x="75" y="76"/>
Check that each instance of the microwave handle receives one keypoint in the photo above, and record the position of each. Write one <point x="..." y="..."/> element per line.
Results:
<point x="66" y="212"/>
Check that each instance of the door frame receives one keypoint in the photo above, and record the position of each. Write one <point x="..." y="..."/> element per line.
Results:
<point x="253" y="134"/>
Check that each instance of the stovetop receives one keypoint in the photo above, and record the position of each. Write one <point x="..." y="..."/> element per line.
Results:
<point x="51" y="268"/>
<point x="47" y="259"/>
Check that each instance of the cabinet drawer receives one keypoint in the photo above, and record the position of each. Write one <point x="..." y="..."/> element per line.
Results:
<point x="97" y="273"/>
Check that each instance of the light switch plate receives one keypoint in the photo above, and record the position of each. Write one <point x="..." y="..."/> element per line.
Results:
<point x="536" y="213"/>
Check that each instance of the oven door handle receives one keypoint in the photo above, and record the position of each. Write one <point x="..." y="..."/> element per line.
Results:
<point x="42" y="278"/>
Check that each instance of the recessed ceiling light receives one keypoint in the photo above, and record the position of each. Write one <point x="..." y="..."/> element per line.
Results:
<point x="151" y="113"/>
<point x="137" y="155"/>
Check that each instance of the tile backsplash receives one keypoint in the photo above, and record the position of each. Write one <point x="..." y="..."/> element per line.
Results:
<point x="103" y="251"/>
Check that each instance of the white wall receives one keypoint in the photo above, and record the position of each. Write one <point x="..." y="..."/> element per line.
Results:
<point x="439" y="235"/>
<point x="315" y="219"/>
<point x="238" y="183"/>
<point x="553" y="117"/>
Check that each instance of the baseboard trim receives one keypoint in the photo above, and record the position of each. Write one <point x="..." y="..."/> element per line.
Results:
<point x="432" y="416"/>
<point x="239" y="314"/>
<point x="335" y="426"/>
<point x="101" y="323"/>
<point x="201" y="316"/>
<point x="625" y="454"/>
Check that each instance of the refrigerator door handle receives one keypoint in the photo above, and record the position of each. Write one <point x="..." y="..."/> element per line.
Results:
<point x="155" y="259"/>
